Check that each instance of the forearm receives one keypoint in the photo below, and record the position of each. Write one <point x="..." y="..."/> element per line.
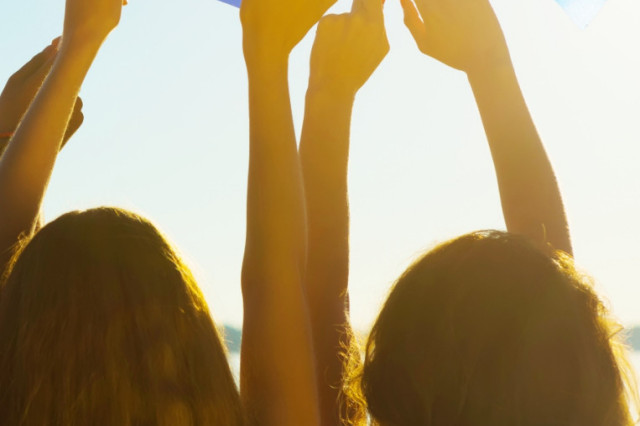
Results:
<point x="324" y="152"/>
<point x="275" y="194"/>
<point x="27" y="164"/>
<point x="277" y="372"/>
<point x="531" y="200"/>
<point x="324" y="155"/>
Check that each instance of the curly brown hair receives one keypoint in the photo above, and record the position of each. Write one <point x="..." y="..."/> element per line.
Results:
<point x="486" y="329"/>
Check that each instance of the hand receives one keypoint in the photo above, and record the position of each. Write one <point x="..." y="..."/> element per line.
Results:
<point x="464" y="34"/>
<point x="91" y="21"/>
<point x="349" y="47"/>
<point x="272" y="28"/>
<point x="22" y="87"/>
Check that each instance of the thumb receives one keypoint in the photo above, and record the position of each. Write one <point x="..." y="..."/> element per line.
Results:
<point x="413" y="21"/>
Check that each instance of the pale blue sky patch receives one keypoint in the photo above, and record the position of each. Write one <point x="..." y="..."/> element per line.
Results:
<point x="582" y="12"/>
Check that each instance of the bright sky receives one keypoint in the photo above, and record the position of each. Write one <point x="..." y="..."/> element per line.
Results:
<point x="166" y="134"/>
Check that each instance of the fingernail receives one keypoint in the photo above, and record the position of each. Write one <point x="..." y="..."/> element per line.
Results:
<point x="56" y="42"/>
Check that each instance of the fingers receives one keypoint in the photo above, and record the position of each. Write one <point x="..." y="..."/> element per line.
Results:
<point x="368" y="8"/>
<point x="37" y="62"/>
<point x="76" y="120"/>
<point x="414" y="22"/>
<point x="32" y="81"/>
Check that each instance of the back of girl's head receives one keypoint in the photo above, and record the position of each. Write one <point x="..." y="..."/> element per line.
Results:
<point x="101" y="323"/>
<point x="488" y="330"/>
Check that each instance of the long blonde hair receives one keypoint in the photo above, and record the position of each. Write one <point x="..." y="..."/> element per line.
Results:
<point x="101" y="323"/>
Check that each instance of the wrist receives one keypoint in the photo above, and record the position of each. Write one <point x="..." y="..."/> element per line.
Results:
<point x="261" y="65"/>
<point x="335" y="89"/>
<point x="490" y="73"/>
<point x="327" y="103"/>
<point x="259" y="52"/>
<point x="74" y="43"/>
<point x="490" y="61"/>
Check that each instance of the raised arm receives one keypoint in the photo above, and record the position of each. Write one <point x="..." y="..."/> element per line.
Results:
<point x="16" y="97"/>
<point x="277" y="373"/>
<point x="347" y="50"/>
<point x="26" y="165"/>
<point x="466" y="35"/>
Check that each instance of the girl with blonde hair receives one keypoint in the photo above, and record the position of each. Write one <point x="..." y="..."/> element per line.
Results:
<point x="101" y="322"/>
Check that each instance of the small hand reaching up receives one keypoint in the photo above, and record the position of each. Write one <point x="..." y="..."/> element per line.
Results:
<point x="349" y="47"/>
<point x="464" y="34"/>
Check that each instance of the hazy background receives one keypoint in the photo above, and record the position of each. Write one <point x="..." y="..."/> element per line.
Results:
<point x="166" y="134"/>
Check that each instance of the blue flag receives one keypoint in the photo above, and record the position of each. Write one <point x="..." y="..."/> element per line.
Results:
<point x="235" y="3"/>
<point x="582" y="12"/>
